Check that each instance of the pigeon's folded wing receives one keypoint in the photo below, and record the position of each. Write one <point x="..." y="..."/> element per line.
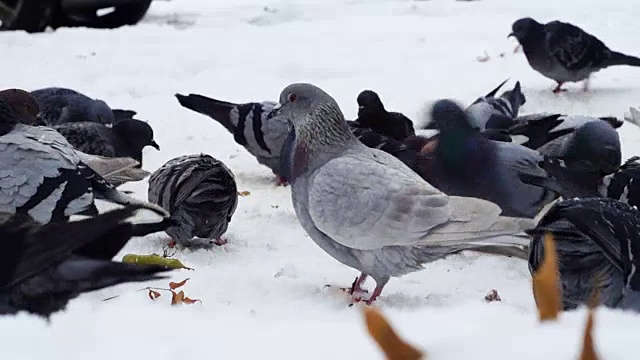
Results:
<point x="572" y="47"/>
<point x="369" y="200"/>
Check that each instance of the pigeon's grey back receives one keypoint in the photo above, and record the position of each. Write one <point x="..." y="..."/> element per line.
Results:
<point x="60" y="105"/>
<point x="40" y="175"/>
<point x="524" y="198"/>
<point x="199" y="192"/>
<point x="88" y="137"/>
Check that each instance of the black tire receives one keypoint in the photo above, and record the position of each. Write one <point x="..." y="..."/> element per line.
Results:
<point x="29" y="15"/>
<point x="121" y="16"/>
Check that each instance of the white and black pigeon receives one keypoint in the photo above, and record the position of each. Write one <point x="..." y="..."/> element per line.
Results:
<point x="43" y="175"/>
<point x="200" y="193"/>
<point x="491" y="112"/>
<point x="44" y="266"/>
<point x="565" y="53"/>
<point x="598" y="244"/>
<point x="252" y="124"/>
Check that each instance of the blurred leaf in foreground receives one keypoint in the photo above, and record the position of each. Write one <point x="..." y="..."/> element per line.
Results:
<point x="393" y="347"/>
<point x="546" y="290"/>
<point x="154" y="259"/>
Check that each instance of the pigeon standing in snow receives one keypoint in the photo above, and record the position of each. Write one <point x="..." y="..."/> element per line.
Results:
<point x="598" y="244"/>
<point x="252" y="124"/>
<point x="460" y="161"/>
<point x="125" y="138"/>
<point x="367" y="209"/>
<point x="201" y="194"/>
<point x="61" y="105"/>
<point x="43" y="175"/>
<point x="373" y="115"/>
<point x="491" y="112"/>
<point x="565" y="53"/>
<point x="43" y="267"/>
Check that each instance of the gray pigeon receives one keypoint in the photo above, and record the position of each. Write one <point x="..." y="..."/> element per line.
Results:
<point x="123" y="139"/>
<point x="367" y="209"/>
<point x="116" y="171"/>
<point x="491" y="112"/>
<point x="201" y="194"/>
<point x="463" y="162"/>
<point x="565" y="53"/>
<point x="252" y="124"/>
<point x="43" y="267"/>
<point x="598" y="244"/>
<point x="44" y="177"/>
<point x="61" y="105"/>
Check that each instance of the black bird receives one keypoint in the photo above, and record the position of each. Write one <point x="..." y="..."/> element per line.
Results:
<point x="43" y="267"/>
<point x="565" y="53"/>
<point x="373" y="115"/>
<point x="598" y="244"/>
<point x="125" y="138"/>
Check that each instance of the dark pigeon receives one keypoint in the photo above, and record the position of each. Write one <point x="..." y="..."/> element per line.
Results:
<point x="462" y="162"/>
<point x="43" y="267"/>
<point x="252" y="124"/>
<point x="61" y="105"/>
<point x="23" y="105"/>
<point x="491" y="112"/>
<point x="201" y="194"/>
<point x="565" y="53"/>
<point x="598" y="244"/>
<point x="373" y="115"/>
<point x="624" y="184"/>
<point x="123" y="139"/>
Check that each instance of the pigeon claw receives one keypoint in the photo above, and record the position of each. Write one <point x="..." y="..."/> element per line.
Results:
<point x="281" y="181"/>
<point x="558" y="89"/>
<point x="219" y="241"/>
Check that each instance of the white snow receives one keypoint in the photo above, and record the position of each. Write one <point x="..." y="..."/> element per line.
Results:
<point x="262" y="294"/>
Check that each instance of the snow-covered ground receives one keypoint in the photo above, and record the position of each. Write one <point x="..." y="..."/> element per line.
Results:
<point x="263" y="294"/>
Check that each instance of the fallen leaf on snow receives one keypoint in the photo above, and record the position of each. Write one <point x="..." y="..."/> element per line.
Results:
<point x="546" y="291"/>
<point x="390" y="343"/>
<point x="175" y="285"/>
<point x="154" y="259"/>
<point x="179" y="298"/>
<point x="243" y="193"/>
<point x="153" y="294"/>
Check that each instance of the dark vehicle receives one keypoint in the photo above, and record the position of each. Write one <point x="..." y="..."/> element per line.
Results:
<point x="36" y="15"/>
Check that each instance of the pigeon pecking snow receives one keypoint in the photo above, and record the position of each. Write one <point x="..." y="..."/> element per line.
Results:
<point x="565" y="53"/>
<point x="201" y="195"/>
<point x="252" y="124"/>
<point x="367" y="209"/>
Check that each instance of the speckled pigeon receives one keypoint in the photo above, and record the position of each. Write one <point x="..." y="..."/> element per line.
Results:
<point x="367" y="209"/>
<point x="598" y="244"/>
<point x="251" y="124"/>
<point x="565" y="53"/>
<point x="62" y="105"/>
<point x="43" y="267"/>
<point x="201" y="195"/>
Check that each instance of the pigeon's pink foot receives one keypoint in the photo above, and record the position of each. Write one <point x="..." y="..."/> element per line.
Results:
<point x="220" y="241"/>
<point x="281" y="181"/>
<point x="171" y="244"/>
<point x="376" y="293"/>
<point x="356" y="287"/>
<point x="559" y="89"/>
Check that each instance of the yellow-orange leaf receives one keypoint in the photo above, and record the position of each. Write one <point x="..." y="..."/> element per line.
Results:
<point x="588" y="350"/>
<point x="174" y="285"/>
<point x="244" y="193"/>
<point x="546" y="291"/>
<point x="153" y="294"/>
<point x="393" y="347"/>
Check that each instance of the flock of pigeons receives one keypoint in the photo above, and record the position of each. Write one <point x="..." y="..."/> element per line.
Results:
<point x="373" y="192"/>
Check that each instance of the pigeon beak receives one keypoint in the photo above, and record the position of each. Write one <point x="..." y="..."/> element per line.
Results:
<point x="360" y="107"/>
<point x="510" y="35"/>
<point x="155" y="145"/>
<point x="278" y="106"/>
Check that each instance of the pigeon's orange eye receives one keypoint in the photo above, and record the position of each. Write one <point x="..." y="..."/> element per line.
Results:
<point x="292" y="97"/>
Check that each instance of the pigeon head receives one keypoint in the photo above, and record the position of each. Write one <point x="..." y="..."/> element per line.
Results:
<point x="24" y="106"/>
<point x="135" y="135"/>
<point x="524" y="27"/>
<point x="515" y="97"/>
<point x="598" y="144"/>
<point x="8" y="118"/>
<point x="369" y="103"/>
<point x="446" y="115"/>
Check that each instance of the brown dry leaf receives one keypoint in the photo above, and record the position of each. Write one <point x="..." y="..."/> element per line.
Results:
<point x="588" y="350"/>
<point x="174" y="285"/>
<point x="176" y="298"/>
<point x="154" y="294"/>
<point x="393" y="347"/>
<point x="190" y="301"/>
<point x="545" y="282"/>
<point x="243" y="193"/>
